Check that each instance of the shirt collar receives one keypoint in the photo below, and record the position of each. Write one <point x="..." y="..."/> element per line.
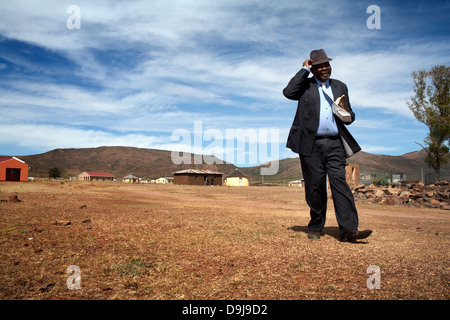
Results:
<point x="319" y="83"/>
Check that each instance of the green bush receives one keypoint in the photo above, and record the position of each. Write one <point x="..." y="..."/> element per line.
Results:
<point x="382" y="181"/>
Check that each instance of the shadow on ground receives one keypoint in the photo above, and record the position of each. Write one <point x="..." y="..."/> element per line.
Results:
<point x="331" y="231"/>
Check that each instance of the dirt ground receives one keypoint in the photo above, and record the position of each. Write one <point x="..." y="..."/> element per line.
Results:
<point x="195" y="242"/>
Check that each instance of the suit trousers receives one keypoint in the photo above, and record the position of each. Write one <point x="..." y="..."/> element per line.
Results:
<point x="328" y="158"/>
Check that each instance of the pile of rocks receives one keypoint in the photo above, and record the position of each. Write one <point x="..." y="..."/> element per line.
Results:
<point x="412" y="193"/>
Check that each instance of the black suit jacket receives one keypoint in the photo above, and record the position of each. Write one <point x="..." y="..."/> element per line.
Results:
<point x="306" y="122"/>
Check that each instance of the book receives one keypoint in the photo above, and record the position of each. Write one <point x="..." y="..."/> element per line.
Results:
<point x="340" y="107"/>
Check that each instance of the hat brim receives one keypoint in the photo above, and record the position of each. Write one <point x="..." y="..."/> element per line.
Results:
<point x="315" y="62"/>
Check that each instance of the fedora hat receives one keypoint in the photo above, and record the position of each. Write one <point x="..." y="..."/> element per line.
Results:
<point x="318" y="57"/>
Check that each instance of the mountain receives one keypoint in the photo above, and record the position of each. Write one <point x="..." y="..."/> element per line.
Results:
<point x="119" y="161"/>
<point x="152" y="164"/>
<point x="412" y="165"/>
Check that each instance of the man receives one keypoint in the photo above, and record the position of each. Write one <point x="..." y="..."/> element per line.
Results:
<point x="323" y="143"/>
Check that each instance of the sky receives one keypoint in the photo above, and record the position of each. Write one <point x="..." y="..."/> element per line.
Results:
<point x="207" y="76"/>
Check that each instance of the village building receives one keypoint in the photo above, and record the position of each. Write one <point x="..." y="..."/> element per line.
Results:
<point x="296" y="183"/>
<point x="95" y="176"/>
<point x="130" y="179"/>
<point x="198" y="177"/>
<point x="236" y="179"/>
<point x="13" y="169"/>
<point x="164" y="180"/>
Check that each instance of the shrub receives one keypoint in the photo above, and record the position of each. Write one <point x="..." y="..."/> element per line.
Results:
<point x="382" y="181"/>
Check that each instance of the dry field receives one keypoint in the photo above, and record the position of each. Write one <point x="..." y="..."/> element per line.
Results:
<point x="191" y="242"/>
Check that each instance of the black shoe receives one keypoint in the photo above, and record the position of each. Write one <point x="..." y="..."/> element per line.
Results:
<point x="314" y="235"/>
<point x="354" y="235"/>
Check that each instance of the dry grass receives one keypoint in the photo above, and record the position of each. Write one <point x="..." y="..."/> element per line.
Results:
<point x="180" y="242"/>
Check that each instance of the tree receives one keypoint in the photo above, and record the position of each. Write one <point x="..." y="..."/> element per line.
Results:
<point x="431" y="106"/>
<point x="54" y="173"/>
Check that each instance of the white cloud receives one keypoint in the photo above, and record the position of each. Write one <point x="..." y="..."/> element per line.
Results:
<point x="141" y="68"/>
<point x="378" y="149"/>
<point x="52" y="136"/>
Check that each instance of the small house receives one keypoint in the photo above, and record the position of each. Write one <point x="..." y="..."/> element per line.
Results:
<point x="296" y="183"/>
<point x="130" y="179"/>
<point x="95" y="176"/>
<point x="198" y="177"/>
<point x="236" y="179"/>
<point x="13" y="169"/>
<point x="164" y="180"/>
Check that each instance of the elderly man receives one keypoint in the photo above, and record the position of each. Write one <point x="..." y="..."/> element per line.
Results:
<point x="323" y="143"/>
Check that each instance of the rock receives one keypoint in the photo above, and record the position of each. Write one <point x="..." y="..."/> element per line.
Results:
<point x="414" y="204"/>
<point x="62" y="223"/>
<point x="84" y="206"/>
<point x="380" y="193"/>
<point x="405" y="194"/>
<point x="444" y="195"/>
<point x="415" y="193"/>
<point x="47" y="287"/>
<point x="370" y="189"/>
<point x="394" y="200"/>
<point x="88" y="222"/>
<point x="394" y="191"/>
<point x="435" y="202"/>
<point x="361" y="186"/>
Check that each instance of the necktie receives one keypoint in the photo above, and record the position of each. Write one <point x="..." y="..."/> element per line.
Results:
<point x="324" y="89"/>
<point x="337" y="110"/>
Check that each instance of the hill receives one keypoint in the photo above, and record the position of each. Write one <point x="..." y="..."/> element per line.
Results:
<point x="152" y="164"/>
<point x="119" y="161"/>
<point x="411" y="165"/>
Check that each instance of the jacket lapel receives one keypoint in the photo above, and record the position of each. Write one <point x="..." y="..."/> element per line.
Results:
<point x="315" y="96"/>
<point x="334" y="89"/>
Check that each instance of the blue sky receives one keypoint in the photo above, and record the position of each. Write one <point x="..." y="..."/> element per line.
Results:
<point x="138" y="72"/>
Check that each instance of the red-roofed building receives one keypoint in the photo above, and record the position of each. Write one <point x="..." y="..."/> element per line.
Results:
<point x="13" y="169"/>
<point x="95" y="176"/>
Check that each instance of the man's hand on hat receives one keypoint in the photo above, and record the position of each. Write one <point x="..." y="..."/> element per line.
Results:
<point x="307" y="63"/>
